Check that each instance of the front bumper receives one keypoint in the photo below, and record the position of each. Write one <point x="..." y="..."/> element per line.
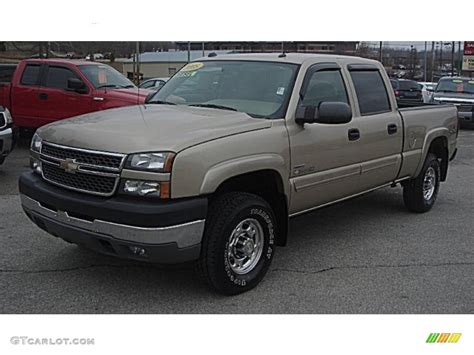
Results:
<point x="154" y="231"/>
<point x="6" y="142"/>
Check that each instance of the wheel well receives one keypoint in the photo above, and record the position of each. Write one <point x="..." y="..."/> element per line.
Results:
<point x="439" y="147"/>
<point x="268" y="185"/>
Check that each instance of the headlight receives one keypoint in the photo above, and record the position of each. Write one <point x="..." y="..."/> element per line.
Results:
<point x="36" y="142"/>
<point x="8" y="117"/>
<point x="155" y="162"/>
<point x="141" y="188"/>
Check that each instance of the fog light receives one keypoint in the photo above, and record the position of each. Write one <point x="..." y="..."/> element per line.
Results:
<point x="138" y="251"/>
<point x="142" y="188"/>
<point x="35" y="165"/>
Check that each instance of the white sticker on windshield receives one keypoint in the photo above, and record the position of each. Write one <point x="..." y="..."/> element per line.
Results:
<point x="281" y="90"/>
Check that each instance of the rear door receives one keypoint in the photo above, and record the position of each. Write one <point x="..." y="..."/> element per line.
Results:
<point x="57" y="101"/>
<point x="24" y="96"/>
<point x="380" y="124"/>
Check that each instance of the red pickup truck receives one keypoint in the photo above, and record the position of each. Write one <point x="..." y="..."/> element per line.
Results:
<point x="46" y="90"/>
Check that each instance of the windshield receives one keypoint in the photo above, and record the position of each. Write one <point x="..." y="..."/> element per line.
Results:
<point x="260" y="89"/>
<point x="462" y="86"/>
<point x="104" y="76"/>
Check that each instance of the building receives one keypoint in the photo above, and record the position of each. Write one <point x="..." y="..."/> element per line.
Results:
<point x="347" y="48"/>
<point x="162" y="64"/>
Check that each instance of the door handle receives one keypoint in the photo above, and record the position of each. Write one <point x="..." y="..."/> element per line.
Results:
<point x="392" y="128"/>
<point x="353" y="134"/>
<point x="43" y="96"/>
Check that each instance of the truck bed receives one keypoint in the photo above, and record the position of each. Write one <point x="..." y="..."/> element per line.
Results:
<point x="423" y="124"/>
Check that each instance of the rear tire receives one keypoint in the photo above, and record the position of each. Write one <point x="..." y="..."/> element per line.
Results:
<point x="238" y="243"/>
<point x="420" y="194"/>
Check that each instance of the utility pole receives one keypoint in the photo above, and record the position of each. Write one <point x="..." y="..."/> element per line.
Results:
<point x="432" y="59"/>
<point x="441" y="57"/>
<point x="203" y="52"/>
<point x="452" y="58"/>
<point x="380" y="51"/>
<point x="426" y="61"/>
<point x="189" y="52"/>
<point x="137" y="52"/>
<point x="459" y="59"/>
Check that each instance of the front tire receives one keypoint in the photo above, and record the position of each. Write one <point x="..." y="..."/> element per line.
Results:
<point x="420" y="194"/>
<point x="238" y="243"/>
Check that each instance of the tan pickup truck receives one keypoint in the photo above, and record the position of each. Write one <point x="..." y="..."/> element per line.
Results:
<point x="213" y="165"/>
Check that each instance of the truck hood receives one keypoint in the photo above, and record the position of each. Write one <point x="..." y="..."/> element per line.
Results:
<point x="149" y="128"/>
<point x="127" y="95"/>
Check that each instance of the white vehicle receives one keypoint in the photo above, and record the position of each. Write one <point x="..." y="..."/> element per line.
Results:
<point x="154" y="84"/>
<point x="427" y="91"/>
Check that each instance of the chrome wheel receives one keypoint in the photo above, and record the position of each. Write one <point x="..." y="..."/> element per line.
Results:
<point x="245" y="246"/>
<point x="429" y="183"/>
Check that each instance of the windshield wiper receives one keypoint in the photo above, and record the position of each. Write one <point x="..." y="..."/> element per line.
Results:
<point x="220" y="107"/>
<point x="161" y="102"/>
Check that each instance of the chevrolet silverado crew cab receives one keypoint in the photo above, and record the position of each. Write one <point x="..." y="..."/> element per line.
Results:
<point x="213" y="165"/>
<point x="42" y="91"/>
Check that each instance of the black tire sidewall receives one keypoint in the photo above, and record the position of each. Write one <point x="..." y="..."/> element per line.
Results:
<point x="225" y="276"/>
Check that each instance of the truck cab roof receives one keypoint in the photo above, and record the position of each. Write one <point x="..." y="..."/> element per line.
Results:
<point x="295" y="58"/>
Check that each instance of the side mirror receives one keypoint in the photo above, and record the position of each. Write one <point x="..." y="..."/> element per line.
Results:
<point x="77" y="85"/>
<point x="334" y="113"/>
<point x="327" y="113"/>
<point x="149" y="96"/>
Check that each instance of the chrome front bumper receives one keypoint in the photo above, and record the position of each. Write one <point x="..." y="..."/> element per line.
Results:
<point x="171" y="244"/>
<point x="6" y="142"/>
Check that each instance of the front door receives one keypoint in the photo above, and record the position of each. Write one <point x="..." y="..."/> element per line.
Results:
<point x="57" y="101"/>
<point x="325" y="164"/>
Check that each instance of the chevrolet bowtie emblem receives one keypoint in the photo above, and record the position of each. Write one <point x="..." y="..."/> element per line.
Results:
<point x="69" y="166"/>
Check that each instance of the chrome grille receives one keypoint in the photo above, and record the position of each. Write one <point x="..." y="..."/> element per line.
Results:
<point x="3" y="120"/>
<point x="81" y="156"/>
<point x="81" y="170"/>
<point x="84" y="182"/>
<point x="465" y="108"/>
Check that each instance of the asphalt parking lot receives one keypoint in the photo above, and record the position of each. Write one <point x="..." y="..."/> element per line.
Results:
<point x="367" y="255"/>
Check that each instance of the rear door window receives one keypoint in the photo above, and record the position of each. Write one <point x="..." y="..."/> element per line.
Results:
<point x="409" y="85"/>
<point x="30" y="75"/>
<point x="371" y="92"/>
<point x="58" y="77"/>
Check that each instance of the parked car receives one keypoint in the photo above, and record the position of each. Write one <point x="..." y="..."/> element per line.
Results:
<point x="95" y="56"/>
<point x="154" y="84"/>
<point x="6" y="73"/>
<point x="212" y="176"/>
<point x="6" y="134"/>
<point x="46" y="90"/>
<point x="407" y="91"/>
<point x="427" y="90"/>
<point x="457" y="91"/>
